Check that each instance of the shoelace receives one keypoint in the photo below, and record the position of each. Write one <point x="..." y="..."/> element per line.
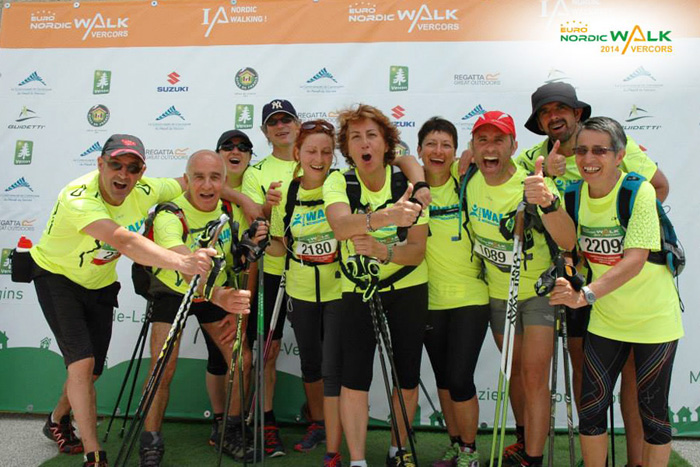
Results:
<point x="312" y="430"/>
<point x="271" y="434"/>
<point x="513" y="449"/>
<point x="450" y="453"/>
<point x="68" y="431"/>
<point x="151" y="457"/>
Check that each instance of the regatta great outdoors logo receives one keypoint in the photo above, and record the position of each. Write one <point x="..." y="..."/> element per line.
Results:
<point x="167" y="154"/>
<point x="94" y="27"/>
<point x="477" y="79"/>
<point x="172" y="79"/>
<point x="244" y="116"/>
<point x="17" y="225"/>
<point x="398" y="78"/>
<point x="322" y="82"/>
<point x="422" y="18"/>
<point x="231" y="15"/>
<point x="637" y="120"/>
<point x="246" y="79"/>
<point x="98" y="115"/>
<point x="635" y="40"/>
<point x="34" y="84"/>
<point x="23" y="152"/>
<point x="102" y="82"/>
<point x="25" y="115"/>
<point x="171" y="116"/>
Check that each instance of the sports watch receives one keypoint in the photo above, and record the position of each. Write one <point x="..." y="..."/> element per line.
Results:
<point x="588" y="294"/>
<point x="556" y="202"/>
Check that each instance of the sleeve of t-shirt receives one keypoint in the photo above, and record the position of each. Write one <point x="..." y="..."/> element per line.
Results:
<point x="636" y="160"/>
<point x="251" y="185"/>
<point x="83" y="211"/>
<point x="643" y="227"/>
<point x="334" y="190"/>
<point x="166" y="189"/>
<point x="454" y="169"/>
<point x="526" y="159"/>
<point x="277" y="221"/>
<point x="167" y="230"/>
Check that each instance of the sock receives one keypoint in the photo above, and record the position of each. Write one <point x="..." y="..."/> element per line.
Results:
<point x="362" y="463"/>
<point x="455" y="440"/>
<point x="218" y="416"/>
<point x="392" y="451"/>
<point x="532" y="460"/>
<point x="270" y="418"/>
<point x="53" y="420"/>
<point x="151" y="438"/>
<point x="520" y="434"/>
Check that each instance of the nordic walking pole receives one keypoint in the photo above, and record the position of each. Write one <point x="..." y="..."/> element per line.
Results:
<point x="553" y="384"/>
<point x="508" y="339"/>
<point x="259" y="395"/>
<point x="567" y="387"/>
<point x="439" y="417"/>
<point x="612" y="432"/>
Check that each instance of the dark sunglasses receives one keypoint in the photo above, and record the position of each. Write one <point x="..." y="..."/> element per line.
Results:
<point x="274" y="121"/>
<point x="596" y="150"/>
<point x="132" y="168"/>
<point x="318" y="124"/>
<point x="242" y="147"/>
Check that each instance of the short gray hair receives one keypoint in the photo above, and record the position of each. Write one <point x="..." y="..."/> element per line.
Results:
<point x="612" y="127"/>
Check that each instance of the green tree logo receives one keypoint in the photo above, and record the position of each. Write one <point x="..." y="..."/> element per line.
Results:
<point x="398" y="78"/>
<point x="23" y="152"/>
<point x="102" y="82"/>
<point x="244" y="116"/>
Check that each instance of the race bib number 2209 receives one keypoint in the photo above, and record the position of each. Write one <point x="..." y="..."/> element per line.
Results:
<point x="602" y="245"/>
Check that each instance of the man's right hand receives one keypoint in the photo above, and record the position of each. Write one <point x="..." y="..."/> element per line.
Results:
<point x="555" y="165"/>
<point x="198" y="262"/>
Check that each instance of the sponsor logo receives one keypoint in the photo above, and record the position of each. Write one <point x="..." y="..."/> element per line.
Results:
<point x="101" y="82"/>
<point x="398" y="78"/>
<point x="309" y="218"/>
<point x="485" y="215"/>
<point x="422" y="18"/>
<point x="244" y="116"/>
<point x="555" y="76"/>
<point x="324" y="86"/>
<point x="171" y="114"/>
<point x="554" y="9"/>
<point x="20" y="191"/>
<point x="96" y="147"/>
<point x="17" y="225"/>
<point x="639" y="80"/>
<point x="401" y="149"/>
<point x="465" y="121"/>
<point x="173" y="78"/>
<point x="231" y="15"/>
<point x="84" y="161"/>
<point x="95" y="27"/>
<point x="98" y="115"/>
<point x="246" y="79"/>
<point x="635" y="40"/>
<point x="33" y="84"/>
<point x="398" y="113"/>
<point x="167" y="154"/>
<point x="6" y="261"/>
<point x="23" y="152"/>
<point x="331" y="116"/>
<point x="9" y="295"/>
<point x="636" y="114"/>
<point x="25" y="115"/>
<point x="477" y="79"/>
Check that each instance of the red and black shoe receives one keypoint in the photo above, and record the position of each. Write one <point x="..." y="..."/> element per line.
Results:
<point x="273" y="442"/>
<point x="63" y="434"/>
<point x="95" y="459"/>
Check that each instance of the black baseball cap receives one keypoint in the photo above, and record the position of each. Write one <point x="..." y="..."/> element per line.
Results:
<point x="555" y="92"/>
<point x="118" y="145"/>
<point x="277" y="106"/>
<point x="227" y="136"/>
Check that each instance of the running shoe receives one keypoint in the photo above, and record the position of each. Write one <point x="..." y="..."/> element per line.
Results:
<point x="95" y="459"/>
<point x="449" y="459"/>
<point x="215" y="435"/>
<point x="151" y="456"/>
<point x="315" y="435"/>
<point x="401" y="459"/>
<point x="513" y="455"/>
<point x="273" y="442"/>
<point x="233" y="442"/>
<point x="332" y="460"/>
<point x="467" y="458"/>
<point x="63" y="434"/>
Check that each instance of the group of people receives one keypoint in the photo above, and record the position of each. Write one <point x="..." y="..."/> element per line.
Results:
<point x="431" y="243"/>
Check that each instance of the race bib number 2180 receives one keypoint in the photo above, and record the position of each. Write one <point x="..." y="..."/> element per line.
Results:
<point x="319" y="248"/>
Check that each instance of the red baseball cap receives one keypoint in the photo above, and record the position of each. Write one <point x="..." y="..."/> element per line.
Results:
<point x="500" y="120"/>
<point x="118" y="145"/>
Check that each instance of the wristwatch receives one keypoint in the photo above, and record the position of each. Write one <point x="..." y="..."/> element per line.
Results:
<point x="556" y="202"/>
<point x="588" y="294"/>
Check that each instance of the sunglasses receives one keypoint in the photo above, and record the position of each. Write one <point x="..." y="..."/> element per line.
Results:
<point x="274" y="121"/>
<point x="242" y="147"/>
<point x="596" y="150"/>
<point x="132" y="168"/>
<point x="318" y="124"/>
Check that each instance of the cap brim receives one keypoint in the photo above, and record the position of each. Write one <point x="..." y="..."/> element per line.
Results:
<point x="280" y="112"/>
<point x="123" y="151"/>
<point x="505" y="129"/>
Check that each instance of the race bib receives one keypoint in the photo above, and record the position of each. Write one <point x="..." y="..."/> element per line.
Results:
<point x="497" y="253"/>
<point x="105" y="255"/>
<point x="602" y="245"/>
<point x="318" y="248"/>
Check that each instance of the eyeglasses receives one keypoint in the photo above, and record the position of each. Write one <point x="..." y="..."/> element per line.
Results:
<point x="274" y="121"/>
<point x="132" y="168"/>
<point x="242" y="147"/>
<point x="596" y="150"/>
<point x="318" y="124"/>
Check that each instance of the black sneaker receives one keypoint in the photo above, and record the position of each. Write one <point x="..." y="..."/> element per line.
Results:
<point x="63" y="434"/>
<point x="273" y="442"/>
<point x="215" y="435"/>
<point x="401" y="459"/>
<point x="151" y="456"/>
<point x="95" y="459"/>
<point x="233" y="442"/>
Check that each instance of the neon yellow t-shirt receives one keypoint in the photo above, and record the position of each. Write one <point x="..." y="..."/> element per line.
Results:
<point x="646" y="308"/>
<point x="256" y="181"/>
<point x="334" y="192"/>
<point x="313" y="242"/>
<point x="453" y="270"/>
<point x="65" y="249"/>
<point x="635" y="160"/>
<point x="487" y="206"/>
<point x="167" y="232"/>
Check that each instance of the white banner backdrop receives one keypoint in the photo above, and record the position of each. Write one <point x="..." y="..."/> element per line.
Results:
<point x="180" y="99"/>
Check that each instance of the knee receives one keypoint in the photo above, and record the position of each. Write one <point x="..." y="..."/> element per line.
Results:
<point x="462" y="391"/>
<point x="657" y="429"/>
<point x="274" y="350"/>
<point x="82" y="369"/>
<point x="534" y="375"/>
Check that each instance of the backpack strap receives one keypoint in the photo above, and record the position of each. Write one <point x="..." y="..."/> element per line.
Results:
<point x="572" y="199"/>
<point x="626" y="197"/>
<point x="170" y="207"/>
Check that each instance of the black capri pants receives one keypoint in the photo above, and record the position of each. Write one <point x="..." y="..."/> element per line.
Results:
<point x="271" y="284"/>
<point x="603" y="360"/>
<point x="406" y="311"/>
<point x="453" y="339"/>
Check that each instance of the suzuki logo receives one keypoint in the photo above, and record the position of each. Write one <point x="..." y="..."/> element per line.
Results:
<point x="398" y="112"/>
<point x="173" y="77"/>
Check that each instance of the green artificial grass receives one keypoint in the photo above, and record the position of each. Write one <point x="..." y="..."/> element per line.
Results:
<point x="186" y="445"/>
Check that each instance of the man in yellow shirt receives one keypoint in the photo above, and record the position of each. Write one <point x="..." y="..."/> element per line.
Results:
<point x="94" y="221"/>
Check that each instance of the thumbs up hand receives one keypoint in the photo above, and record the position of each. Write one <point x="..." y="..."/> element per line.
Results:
<point x="536" y="190"/>
<point x="556" y="163"/>
<point x="405" y="212"/>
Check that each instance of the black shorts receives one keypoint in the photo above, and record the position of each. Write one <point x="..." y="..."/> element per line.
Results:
<point x="165" y="308"/>
<point x="80" y="318"/>
<point x="271" y="286"/>
<point x="577" y="321"/>
<point x="406" y="312"/>
<point x="216" y="364"/>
